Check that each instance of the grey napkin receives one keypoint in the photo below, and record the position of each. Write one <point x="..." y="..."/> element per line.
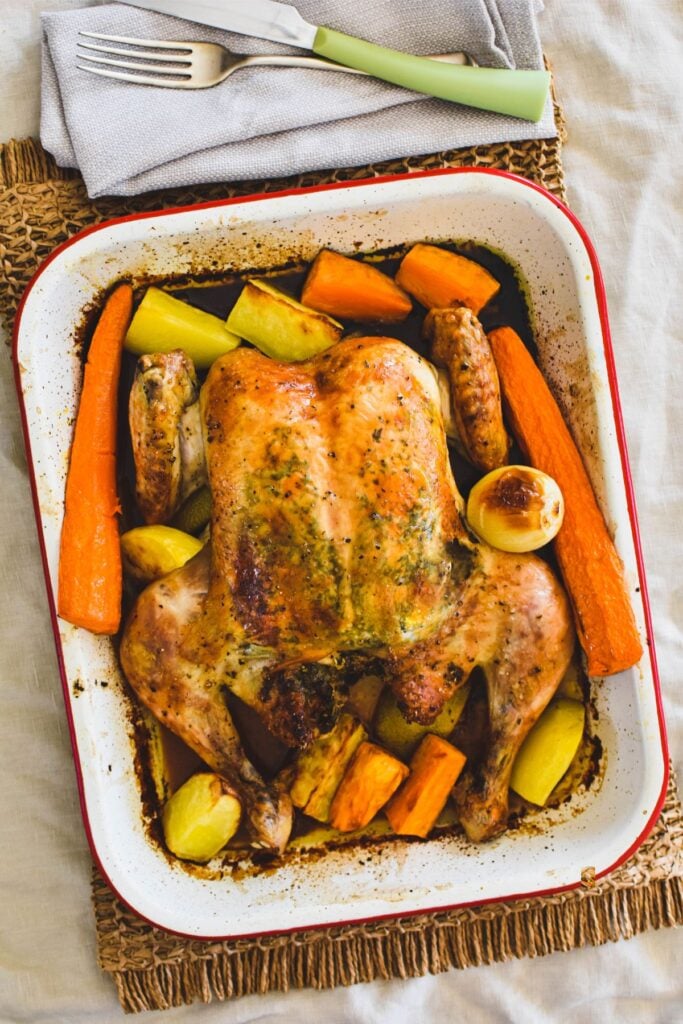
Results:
<point x="269" y="122"/>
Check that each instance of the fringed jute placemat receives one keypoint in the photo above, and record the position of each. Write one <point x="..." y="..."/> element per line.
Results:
<point x="155" y="970"/>
<point x="41" y="206"/>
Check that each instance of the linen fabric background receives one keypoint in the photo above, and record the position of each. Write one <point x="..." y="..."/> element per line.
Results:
<point x="617" y="71"/>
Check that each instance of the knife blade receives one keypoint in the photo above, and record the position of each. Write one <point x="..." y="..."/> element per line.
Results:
<point x="518" y="93"/>
<point x="281" y="23"/>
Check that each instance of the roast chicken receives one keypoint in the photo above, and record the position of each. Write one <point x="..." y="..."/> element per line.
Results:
<point x="337" y="540"/>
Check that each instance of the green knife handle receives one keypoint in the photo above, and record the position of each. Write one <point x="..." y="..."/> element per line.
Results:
<point x="519" y="93"/>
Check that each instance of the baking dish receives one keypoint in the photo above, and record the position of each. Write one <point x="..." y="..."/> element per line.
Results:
<point x="559" y="270"/>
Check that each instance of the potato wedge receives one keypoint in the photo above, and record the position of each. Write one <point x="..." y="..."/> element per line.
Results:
<point x="548" y="750"/>
<point x="201" y="817"/>
<point x="279" y="325"/>
<point x="150" y="552"/>
<point x="401" y="737"/>
<point x="321" y="767"/>
<point x="163" y="323"/>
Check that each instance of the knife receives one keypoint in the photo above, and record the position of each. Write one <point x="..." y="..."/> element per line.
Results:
<point x="519" y="93"/>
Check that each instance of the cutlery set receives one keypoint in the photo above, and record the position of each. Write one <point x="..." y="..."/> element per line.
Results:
<point x="190" y="65"/>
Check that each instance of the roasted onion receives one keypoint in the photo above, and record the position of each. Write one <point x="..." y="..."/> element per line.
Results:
<point x="516" y="508"/>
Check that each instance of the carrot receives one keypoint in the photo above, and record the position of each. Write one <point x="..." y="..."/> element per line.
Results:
<point x="350" y="289"/>
<point x="434" y="768"/>
<point x="90" y="582"/>
<point x="371" y="778"/>
<point x="321" y="766"/>
<point x="439" y="278"/>
<point x="591" y="568"/>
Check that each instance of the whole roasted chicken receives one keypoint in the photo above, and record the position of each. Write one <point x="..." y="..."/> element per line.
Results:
<point x="337" y="539"/>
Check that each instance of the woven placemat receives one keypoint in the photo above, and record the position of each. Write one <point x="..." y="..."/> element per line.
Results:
<point x="42" y="205"/>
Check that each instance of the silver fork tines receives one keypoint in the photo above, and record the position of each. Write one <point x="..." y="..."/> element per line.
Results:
<point x="148" y="62"/>
<point x="137" y="66"/>
<point x="148" y="44"/>
<point x="186" y="65"/>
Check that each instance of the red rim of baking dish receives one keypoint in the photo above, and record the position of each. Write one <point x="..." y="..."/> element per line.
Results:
<point x="628" y="484"/>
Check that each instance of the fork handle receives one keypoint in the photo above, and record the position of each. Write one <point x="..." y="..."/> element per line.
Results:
<point x="519" y="93"/>
<point x="299" y="61"/>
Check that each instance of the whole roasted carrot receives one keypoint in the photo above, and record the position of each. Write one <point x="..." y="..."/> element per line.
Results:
<point x="90" y="578"/>
<point x="590" y="566"/>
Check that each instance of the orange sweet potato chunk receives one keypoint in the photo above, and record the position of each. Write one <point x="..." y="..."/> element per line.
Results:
<point x="370" y="780"/>
<point x="439" y="278"/>
<point x="434" y="768"/>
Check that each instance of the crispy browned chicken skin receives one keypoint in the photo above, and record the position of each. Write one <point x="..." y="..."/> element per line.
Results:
<point x="337" y="527"/>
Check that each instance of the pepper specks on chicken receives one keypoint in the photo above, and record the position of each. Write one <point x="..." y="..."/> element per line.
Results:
<point x="312" y="557"/>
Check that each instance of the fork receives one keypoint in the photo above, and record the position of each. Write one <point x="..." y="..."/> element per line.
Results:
<point x="189" y="65"/>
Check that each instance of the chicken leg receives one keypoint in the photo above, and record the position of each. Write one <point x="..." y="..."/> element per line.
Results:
<point x="161" y="666"/>
<point x="511" y="618"/>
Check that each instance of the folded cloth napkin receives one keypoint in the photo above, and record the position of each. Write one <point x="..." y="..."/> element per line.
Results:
<point x="268" y="122"/>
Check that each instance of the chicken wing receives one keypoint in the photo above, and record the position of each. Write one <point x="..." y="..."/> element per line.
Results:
<point x="459" y="344"/>
<point x="166" y="433"/>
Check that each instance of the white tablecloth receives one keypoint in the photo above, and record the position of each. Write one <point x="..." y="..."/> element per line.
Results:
<point x="618" y="72"/>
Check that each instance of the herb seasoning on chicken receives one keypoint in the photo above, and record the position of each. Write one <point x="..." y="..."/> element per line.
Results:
<point x="337" y="527"/>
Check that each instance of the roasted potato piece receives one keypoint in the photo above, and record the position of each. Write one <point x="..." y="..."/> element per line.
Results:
<point x="163" y="323"/>
<point x="201" y="817"/>
<point x="279" y="325"/>
<point x="150" y="552"/>
<point x="548" y="750"/>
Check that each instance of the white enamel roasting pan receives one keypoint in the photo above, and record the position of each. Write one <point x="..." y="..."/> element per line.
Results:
<point x="599" y="828"/>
